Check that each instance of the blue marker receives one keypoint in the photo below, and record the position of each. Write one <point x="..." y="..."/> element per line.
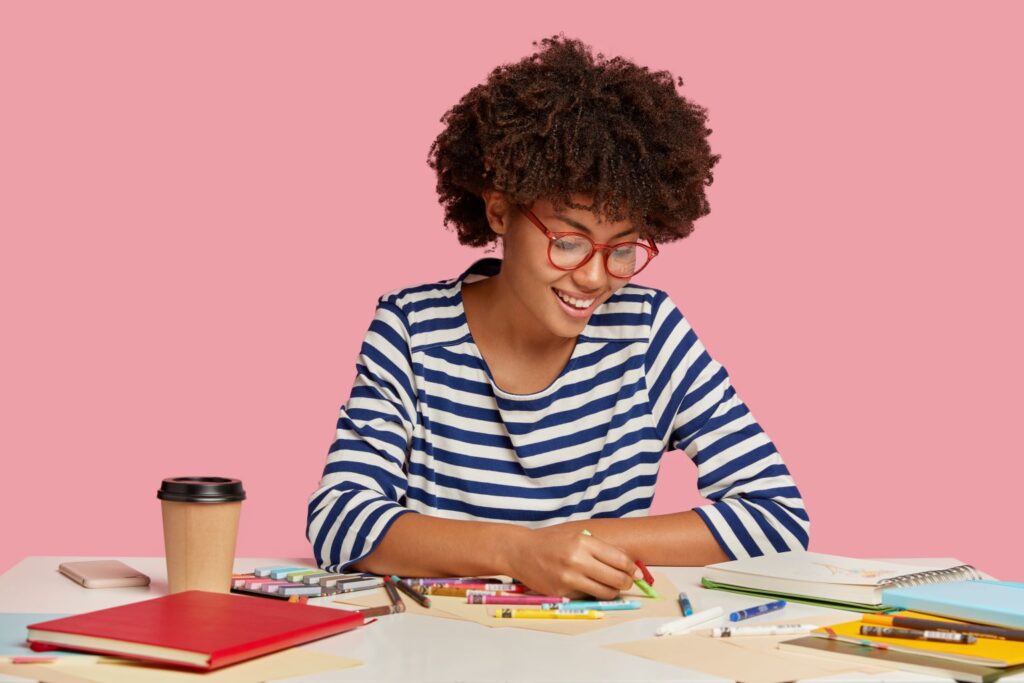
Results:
<point x="757" y="611"/>
<point x="684" y="604"/>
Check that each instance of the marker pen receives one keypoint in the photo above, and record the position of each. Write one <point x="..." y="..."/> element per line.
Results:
<point x="757" y="611"/>
<point x="770" y="630"/>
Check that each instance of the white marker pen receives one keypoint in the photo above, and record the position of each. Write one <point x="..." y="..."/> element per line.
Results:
<point x="772" y="630"/>
<point x="686" y="623"/>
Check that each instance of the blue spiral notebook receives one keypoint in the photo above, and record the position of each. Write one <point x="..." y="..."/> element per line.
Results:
<point x="1000" y="603"/>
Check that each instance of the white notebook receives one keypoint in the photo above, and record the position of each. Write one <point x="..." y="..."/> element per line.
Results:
<point x="827" y="578"/>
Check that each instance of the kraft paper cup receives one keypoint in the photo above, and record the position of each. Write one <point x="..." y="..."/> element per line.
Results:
<point x="200" y="529"/>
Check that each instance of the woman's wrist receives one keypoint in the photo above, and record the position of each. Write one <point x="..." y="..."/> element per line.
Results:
<point x="511" y="543"/>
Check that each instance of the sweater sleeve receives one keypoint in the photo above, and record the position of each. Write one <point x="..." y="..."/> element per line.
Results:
<point x="755" y="506"/>
<point x="364" y="481"/>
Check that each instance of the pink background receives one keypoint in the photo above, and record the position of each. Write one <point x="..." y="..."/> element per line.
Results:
<point x="201" y="201"/>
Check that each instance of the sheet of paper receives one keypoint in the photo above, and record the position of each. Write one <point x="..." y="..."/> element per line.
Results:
<point x="810" y="567"/>
<point x="290" y="663"/>
<point x="666" y="605"/>
<point x="44" y="673"/>
<point x="749" y="659"/>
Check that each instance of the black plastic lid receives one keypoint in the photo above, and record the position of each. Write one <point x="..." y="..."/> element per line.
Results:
<point x="201" y="490"/>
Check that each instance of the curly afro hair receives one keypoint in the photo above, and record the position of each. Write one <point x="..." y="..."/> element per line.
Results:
<point x="559" y="123"/>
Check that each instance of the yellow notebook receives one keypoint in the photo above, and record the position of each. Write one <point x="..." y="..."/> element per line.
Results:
<point x="986" y="651"/>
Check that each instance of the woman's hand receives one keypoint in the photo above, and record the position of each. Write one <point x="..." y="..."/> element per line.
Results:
<point x="559" y="560"/>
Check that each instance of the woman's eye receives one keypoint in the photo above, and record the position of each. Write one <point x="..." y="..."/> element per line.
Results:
<point x="568" y="245"/>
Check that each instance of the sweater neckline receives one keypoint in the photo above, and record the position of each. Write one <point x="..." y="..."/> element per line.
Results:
<point x="482" y="269"/>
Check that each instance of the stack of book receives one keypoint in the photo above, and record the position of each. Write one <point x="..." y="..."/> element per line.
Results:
<point x="967" y="630"/>
<point x="962" y="626"/>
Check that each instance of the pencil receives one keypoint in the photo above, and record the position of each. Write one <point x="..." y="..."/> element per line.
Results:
<point x="979" y="630"/>
<point x="914" y="634"/>
<point x="393" y="595"/>
<point x="866" y="643"/>
<point x="454" y="580"/>
<point x="369" y="612"/>
<point x="421" y="599"/>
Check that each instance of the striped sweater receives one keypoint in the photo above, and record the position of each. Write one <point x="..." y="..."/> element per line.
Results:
<point x="426" y="429"/>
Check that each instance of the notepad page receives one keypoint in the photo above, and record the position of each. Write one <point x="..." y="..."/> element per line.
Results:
<point x="808" y="567"/>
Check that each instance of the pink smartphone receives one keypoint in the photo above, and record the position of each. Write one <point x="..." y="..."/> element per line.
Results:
<point x="103" y="574"/>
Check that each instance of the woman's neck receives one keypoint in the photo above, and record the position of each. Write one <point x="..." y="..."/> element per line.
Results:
<point x="495" y="315"/>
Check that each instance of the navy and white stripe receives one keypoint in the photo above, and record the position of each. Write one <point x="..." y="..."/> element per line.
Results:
<point x="426" y="430"/>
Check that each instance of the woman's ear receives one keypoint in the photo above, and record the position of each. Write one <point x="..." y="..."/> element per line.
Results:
<point x="498" y="210"/>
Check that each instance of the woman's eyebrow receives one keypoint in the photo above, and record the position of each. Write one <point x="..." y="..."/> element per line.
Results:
<point x="580" y="226"/>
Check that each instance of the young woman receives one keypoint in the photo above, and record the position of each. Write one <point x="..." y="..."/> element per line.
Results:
<point x="497" y="414"/>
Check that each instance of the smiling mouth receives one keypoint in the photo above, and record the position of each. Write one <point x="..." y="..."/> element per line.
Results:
<point x="573" y="302"/>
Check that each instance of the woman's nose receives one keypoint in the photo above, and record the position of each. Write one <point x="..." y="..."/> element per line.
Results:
<point x="591" y="275"/>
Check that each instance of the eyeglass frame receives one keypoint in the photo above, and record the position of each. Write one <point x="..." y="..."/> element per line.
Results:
<point x="553" y="236"/>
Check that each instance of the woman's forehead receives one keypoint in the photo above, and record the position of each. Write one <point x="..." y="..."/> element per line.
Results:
<point x="583" y="219"/>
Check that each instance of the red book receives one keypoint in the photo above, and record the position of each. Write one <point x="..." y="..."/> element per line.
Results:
<point x="194" y="629"/>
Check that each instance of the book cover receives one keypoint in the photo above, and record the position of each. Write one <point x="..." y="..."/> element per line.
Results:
<point x="705" y="582"/>
<point x="999" y="603"/>
<point x="195" y="629"/>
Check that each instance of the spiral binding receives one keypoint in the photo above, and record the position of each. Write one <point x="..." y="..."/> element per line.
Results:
<point x="963" y="572"/>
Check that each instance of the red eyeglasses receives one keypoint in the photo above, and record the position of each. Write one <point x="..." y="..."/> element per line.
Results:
<point x="572" y="250"/>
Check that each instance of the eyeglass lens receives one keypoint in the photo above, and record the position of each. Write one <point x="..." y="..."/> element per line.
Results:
<point x="623" y="260"/>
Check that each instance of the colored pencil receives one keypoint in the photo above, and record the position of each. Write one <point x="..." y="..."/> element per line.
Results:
<point x="514" y="599"/>
<point x="393" y="595"/>
<point x="454" y="580"/>
<point x="421" y="599"/>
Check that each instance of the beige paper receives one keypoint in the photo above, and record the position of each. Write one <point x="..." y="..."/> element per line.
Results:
<point x="439" y="606"/>
<point x="290" y="663"/>
<point x="666" y="605"/>
<point x="199" y="541"/>
<point x="748" y="659"/>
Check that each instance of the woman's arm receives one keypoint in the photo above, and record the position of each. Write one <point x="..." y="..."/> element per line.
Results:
<point x="679" y="539"/>
<point x="555" y="560"/>
<point x="363" y="485"/>
<point x="755" y="506"/>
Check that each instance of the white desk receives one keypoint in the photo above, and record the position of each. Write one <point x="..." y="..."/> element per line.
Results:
<point x="409" y="647"/>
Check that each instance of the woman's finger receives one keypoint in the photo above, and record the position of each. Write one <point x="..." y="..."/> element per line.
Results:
<point x="621" y="568"/>
<point x="589" y="586"/>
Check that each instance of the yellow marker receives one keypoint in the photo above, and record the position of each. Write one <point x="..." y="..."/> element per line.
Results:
<point x="513" y="613"/>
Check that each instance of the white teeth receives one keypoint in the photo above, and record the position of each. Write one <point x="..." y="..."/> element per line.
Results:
<point x="575" y="303"/>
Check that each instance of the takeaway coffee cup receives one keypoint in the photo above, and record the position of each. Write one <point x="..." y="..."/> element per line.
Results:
<point x="200" y="529"/>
